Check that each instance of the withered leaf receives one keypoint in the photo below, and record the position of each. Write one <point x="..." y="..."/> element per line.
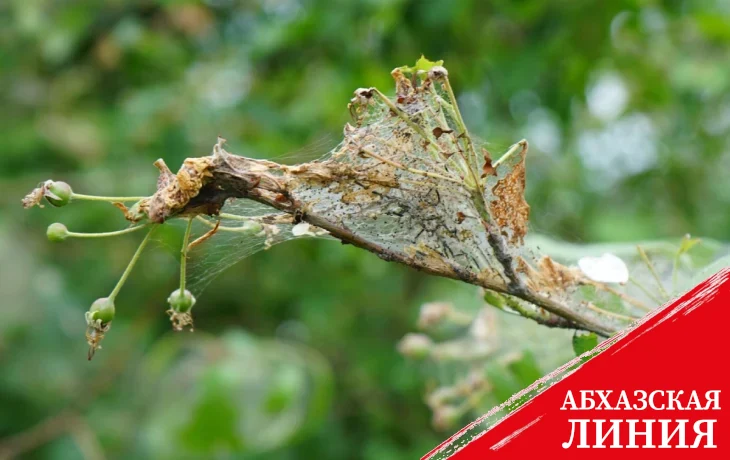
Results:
<point x="488" y="169"/>
<point x="174" y="191"/>
<point x="549" y="275"/>
<point x="166" y="176"/>
<point x="34" y="197"/>
<point x="122" y="208"/>
<point x="281" y="198"/>
<point x="133" y="214"/>
<point x="206" y="236"/>
<point x="509" y="208"/>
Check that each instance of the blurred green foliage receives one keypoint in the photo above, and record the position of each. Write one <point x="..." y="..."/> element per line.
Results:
<point x="626" y="105"/>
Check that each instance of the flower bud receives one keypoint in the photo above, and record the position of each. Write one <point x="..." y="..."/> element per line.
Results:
<point x="433" y="313"/>
<point x="445" y="417"/>
<point x="416" y="346"/>
<point x="58" y="193"/>
<point x="181" y="302"/>
<point x="57" y="232"/>
<point x="102" y="309"/>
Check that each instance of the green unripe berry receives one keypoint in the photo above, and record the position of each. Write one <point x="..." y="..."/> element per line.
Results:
<point x="58" y="193"/>
<point x="102" y="309"/>
<point x="181" y="302"/>
<point x="57" y="232"/>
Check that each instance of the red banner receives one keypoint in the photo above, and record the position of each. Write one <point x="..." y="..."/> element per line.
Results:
<point x="655" y="390"/>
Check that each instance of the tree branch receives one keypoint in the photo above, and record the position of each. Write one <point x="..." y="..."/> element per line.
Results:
<point x="208" y="182"/>
<point x="404" y="184"/>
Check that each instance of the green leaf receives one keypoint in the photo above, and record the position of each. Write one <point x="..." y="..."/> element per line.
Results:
<point x="422" y="64"/>
<point x="687" y="243"/>
<point x="284" y="390"/>
<point x="212" y="424"/>
<point x="502" y="382"/>
<point x="584" y="341"/>
<point x="525" y="370"/>
<point x="707" y="272"/>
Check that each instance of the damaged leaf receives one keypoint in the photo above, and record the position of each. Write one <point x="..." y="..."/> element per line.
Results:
<point x="134" y="214"/>
<point x="507" y="204"/>
<point x="422" y="64"/>
<point x="487" y="168"/>
<point x="687" y="244"/>
<point x="395" y="186"/>
<point x="175" y="191"/>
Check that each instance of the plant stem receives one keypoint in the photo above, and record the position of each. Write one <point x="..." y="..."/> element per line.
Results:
<point x="79" y="196"/>
<point x="226" y="215"/>
<point x="184" y="256"/>
<point x="131" y="264"/>
<point x="510" y="152"/>
<point x="650" y="265"/>
<point x="462" y="127"/>
<point x="411" y="170"/>
<point x="205" y="237"/>
<point x="445" y="106"/>
<point x="646" y="291"/>
<point x="254" y="228"/>
<point x="106" y="234"/>
<point x="595" y="308"/>
<point x="536" y="314"/>
<point x="627" y="298"/>
<point x="432" y="145"/>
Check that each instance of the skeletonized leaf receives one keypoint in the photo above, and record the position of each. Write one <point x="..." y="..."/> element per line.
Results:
<point x="507" y="202"/>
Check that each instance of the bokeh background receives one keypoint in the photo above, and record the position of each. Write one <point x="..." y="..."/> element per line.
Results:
<point x="626" y="105"/>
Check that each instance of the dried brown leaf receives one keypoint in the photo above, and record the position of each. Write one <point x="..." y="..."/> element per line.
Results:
<point x="175" y="191"/>
<point x="549" y="276"/>
<point x="509" y="208"/>
<point x="488" y="169"/>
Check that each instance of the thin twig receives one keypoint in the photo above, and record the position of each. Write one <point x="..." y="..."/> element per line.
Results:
<point x="534" y="313"/>
<point x="464" y="132"/>
<point x="432" y="145"/>
<point x="223" y="228"/>
<point x="628" y="318"/>
<point x="56" y="425"/>
<point x="411" y="170"/>
<point x="206" y="236"/>
<point x="629" y="299"/>
<point x="184" y="255"/>
<point x="107" y="234"/>
<point x="79" y="196"/>
<point x="521" y="145"/>
<point x="39" y="434"/>
<point x="646" y="291"/>
<point x="86" y="440"/>
<point x="131" y="265"/>
<point x="650" y="265"/>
